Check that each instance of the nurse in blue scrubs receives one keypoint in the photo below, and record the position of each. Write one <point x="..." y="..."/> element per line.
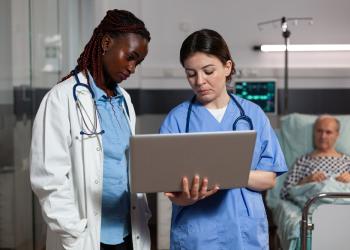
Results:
<point x="206" y="217"/>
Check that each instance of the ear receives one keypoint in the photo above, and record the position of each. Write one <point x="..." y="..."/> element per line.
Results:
<point x="106" y="42"/>
<point x="228" y="67"/>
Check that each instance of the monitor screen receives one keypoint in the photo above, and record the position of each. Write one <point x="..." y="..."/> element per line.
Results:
<point x="263" y="93"/>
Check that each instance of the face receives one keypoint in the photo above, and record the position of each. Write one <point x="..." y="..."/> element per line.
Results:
<point x="122" y="55"/>
<point x="325" y="134"/>
<point x="207" y="77"/>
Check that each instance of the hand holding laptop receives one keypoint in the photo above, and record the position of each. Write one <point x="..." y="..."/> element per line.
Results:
<point x="190" y="196"/>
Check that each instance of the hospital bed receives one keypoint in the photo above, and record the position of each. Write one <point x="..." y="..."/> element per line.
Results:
<point x="322" y="223"/>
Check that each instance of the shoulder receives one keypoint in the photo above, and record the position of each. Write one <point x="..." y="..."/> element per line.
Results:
<point x="346" y="158"/>
<point x="251" y="109"/>
<point x="179" y="110"/>
<point x="175" y="121"/>
<point x="247" y="104"/>
<point x="306" y="159"/>
<point x="62" y="89"/>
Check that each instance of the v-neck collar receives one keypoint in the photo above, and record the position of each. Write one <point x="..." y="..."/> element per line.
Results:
<point x="230" y="114"/>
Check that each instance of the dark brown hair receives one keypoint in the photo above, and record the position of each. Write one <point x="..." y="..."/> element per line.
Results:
<point x="115" y="23"/>
<point x="209" y="42"/>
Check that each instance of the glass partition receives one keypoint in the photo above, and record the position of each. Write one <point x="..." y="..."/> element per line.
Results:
<point x="30" y="63"/>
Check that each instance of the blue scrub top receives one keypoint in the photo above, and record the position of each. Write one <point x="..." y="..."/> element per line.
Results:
<point x="115" y="219"/>
<point x="234" y="218"/>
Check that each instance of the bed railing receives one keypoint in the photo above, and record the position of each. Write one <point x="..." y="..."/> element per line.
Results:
<point x="307" y="227"/>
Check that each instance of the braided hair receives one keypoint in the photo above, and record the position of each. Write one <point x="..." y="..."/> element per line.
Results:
<point x="115" y="23"/>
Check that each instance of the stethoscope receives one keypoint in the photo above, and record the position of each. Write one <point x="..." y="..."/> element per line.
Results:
<point x="242" y="116"/>
<point x="90" y="130"/>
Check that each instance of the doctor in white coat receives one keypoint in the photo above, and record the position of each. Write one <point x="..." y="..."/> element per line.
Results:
<point x="71" y="135"/>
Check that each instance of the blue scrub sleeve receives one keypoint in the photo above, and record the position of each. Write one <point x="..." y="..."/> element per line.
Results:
<point x="171" y="123"/>
<point x="268" y="154"/>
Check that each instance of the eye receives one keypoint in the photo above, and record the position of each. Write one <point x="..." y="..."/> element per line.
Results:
<point x="208" y="72"/>
<point x="130" y="57"/>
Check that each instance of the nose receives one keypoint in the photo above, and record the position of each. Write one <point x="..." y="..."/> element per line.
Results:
<point x="200" y="79"/>
<point x="132" y="67"/>
<point x="323" y="135"/>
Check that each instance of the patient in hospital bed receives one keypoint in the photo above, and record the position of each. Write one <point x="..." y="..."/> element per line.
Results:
<point x="323" y="163"/>
<point x="297" y="137"/>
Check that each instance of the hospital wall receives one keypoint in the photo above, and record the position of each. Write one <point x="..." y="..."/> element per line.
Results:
<point x="319" y="82"/>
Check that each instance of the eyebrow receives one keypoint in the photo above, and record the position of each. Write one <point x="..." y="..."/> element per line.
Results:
<point x="204" y="67"/>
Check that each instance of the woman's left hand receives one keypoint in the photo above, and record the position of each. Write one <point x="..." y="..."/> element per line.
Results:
<point x="189" y="197"/>
<point x="344" y="177"/>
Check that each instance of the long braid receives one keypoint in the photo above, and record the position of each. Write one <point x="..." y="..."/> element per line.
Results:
<point x="115" y="23"/>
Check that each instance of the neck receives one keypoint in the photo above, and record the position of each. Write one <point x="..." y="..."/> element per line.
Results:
<point x="220" y="102"/>
<point x="107" y="84"/>
<point x="329" y="152"/>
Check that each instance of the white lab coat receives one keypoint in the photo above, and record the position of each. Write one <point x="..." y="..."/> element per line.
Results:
<point x="67" y="172"/>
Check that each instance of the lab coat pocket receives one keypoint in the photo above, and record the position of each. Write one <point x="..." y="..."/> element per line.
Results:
<point x="70" y="242"/>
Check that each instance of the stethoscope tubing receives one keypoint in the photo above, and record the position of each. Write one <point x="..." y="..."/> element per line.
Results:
<point x="79" y="106"/>
<point x="242" y="116"/>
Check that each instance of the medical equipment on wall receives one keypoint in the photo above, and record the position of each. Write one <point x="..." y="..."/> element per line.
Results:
<point x="242" y="115"/>
<point x="261" y="92"/>
<point x="92" y="129"/>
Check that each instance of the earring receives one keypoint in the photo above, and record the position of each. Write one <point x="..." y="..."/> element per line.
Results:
<point x="104" y="52"/>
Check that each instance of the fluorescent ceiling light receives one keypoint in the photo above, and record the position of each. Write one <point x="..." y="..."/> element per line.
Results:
<point x="304" y="47"/>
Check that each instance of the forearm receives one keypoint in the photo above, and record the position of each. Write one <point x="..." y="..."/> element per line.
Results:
<point x="261" y="180"/>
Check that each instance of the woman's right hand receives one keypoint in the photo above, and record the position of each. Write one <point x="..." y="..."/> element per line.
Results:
<point x="197" y="192"/>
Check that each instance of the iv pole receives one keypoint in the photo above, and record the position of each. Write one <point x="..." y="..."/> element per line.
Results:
<point x="286" y="35"/>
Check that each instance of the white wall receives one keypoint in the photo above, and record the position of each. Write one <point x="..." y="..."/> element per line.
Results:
<point x="19" y="46"/>
<point x="5" y="52"/>
<point x="171" y="21"/>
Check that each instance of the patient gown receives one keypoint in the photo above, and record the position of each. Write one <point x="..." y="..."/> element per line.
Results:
<point x="233" y="218"/>
<point x="308" y="165"/>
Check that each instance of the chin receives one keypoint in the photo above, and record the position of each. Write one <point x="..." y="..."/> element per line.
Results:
<point x="205" y="99"/>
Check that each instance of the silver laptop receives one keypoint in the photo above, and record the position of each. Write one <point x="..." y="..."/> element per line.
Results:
<point x="158" y="162"/>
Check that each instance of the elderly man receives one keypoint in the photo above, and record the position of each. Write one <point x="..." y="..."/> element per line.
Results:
<point x="324" y="161"/>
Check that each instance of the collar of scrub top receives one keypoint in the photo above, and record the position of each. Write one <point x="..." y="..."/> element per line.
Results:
<point x="242" y="115"/>
<point x="99" y="94"/>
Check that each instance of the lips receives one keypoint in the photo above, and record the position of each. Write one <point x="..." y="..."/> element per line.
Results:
<point x="124" y="76"/>
<point x="203" y="92"/>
